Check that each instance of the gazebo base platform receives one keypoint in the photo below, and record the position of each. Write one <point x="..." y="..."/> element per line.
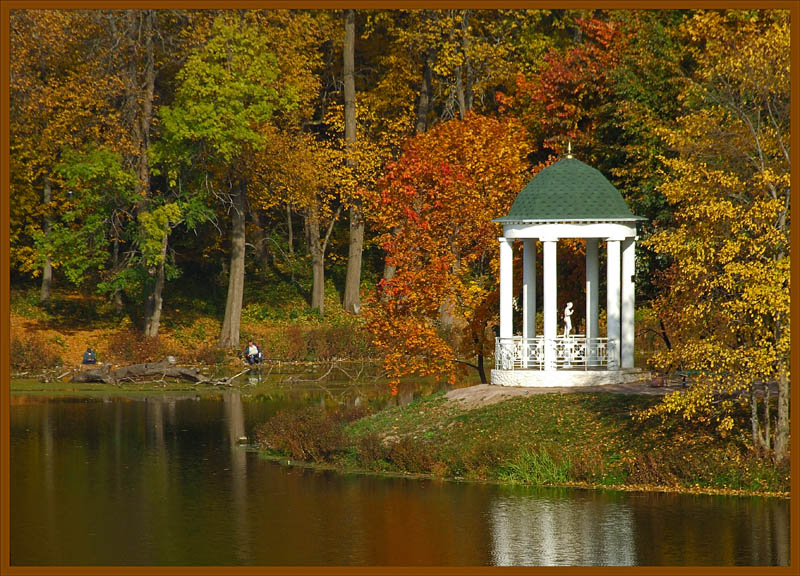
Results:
<point x="557" y="378"/>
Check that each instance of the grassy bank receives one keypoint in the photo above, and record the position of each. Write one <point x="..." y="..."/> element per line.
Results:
<point x="578" y="439"/>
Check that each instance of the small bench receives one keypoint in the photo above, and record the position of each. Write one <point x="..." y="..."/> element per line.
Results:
<point x="685" y="374"/>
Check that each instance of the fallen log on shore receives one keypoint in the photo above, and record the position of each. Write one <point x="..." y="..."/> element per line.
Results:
<point x="160" y="370"/>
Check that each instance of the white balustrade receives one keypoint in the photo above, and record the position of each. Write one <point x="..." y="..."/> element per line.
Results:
<point x="570" y="352"/>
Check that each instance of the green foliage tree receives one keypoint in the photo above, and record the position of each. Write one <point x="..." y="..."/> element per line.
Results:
<point x="100" y="193"/>
<point x="225" y="99"/>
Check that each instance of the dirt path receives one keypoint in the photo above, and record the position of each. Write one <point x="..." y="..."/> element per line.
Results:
<point x="485" y="394"/>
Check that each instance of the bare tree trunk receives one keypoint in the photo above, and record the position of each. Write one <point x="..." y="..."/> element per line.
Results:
<point x="459" y="70"/>
<point x="229" y="336"/>
<point x="115" y="265"/>
<point x="140" y="98"/>
<point x="447" y="317"/>
<point x="462" y="105"/>
<point x="141" y="101"/>
<point x="390" y="269"/>
<point x="423" y="104"/>
<point x="754" y="425"/>
<point x="47" y="268"/>
<point x="147" y="370"/>
<point x="663" y="334"/>
<point x="317" y="246"/>
<point x="352" y="285"/>
<point x="782" y="428"/>
<point x="481" y="369"/>
<point x="467" y="66"/>
<point x="147" y="102"/>
<point x="767" y="443"/>
<point x="262" y="253"/>
<point x="317" y="263"/>
<point x="290" y="238"/>
<point x="152" y="314"/>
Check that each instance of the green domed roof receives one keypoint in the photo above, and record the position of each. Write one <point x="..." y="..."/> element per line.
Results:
<point x="569" y="190"/>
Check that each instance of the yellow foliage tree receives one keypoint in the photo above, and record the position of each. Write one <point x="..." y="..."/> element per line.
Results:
<point x="726" y="298"/>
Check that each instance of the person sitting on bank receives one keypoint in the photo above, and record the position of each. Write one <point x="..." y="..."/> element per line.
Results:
<point x="89" y="357"/>
<point x="253" y="353"/>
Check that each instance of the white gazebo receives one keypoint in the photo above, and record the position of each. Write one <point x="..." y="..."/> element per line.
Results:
<point x="568" y="199"/>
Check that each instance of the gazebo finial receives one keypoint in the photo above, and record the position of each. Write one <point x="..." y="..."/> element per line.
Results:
<point x="569" y="148"/>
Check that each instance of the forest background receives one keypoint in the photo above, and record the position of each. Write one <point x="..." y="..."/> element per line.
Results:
<point x="324" y="181"/>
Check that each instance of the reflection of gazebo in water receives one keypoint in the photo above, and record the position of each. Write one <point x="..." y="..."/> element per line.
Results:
<point x="567" y="200"/>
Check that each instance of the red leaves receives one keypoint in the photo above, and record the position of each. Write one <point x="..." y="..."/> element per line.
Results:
<point x="562" y="98"/>
<point x="411" y="215"/>
<point x="438" y="200"/>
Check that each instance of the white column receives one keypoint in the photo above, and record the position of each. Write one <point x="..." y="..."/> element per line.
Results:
<point x="550" y="305"/>
<point x="506" y="288"/>
<point x="592" y="294"/>
<point x="612" y="296"/>
<point x="528" y="295"/>
<point x="529" y="287"/>
<point x="628" y="300"/>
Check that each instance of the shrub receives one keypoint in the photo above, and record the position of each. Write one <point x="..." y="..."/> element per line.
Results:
<point x="305" y="434"/>
<point x="131" y="347"/>
<point x="296" y="346"/>
<point x="587" y="467"/>
<point x="25" y="303"/>
<point x="411" y="455"/>
<point x="320" y="344"/>
<point x="33" y="352"/>
<point x="209" y="355"/>
<point x="369" y="450"/>
<point x="653" y="468"/>
<point x="309" y="433"/>
<point x="482" y="457"/>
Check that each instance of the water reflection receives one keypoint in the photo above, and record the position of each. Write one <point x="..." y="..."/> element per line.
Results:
<point x="234" y="416"/>
<point x="559" y="528"/>
<point x="162" y="480"/>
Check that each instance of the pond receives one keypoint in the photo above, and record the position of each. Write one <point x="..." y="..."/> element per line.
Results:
<point x="161" y="479"/>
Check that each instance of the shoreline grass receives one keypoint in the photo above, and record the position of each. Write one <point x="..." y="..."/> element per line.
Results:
<point x="586" y="440"/>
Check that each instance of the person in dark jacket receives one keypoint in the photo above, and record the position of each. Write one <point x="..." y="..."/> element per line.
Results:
<point x="89" y="357"/>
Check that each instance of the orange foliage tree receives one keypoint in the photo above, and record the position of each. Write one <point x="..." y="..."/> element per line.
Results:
<point x="435" y="206"/>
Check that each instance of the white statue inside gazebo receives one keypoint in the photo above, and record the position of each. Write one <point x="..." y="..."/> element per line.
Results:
<point x="568" y="199"/>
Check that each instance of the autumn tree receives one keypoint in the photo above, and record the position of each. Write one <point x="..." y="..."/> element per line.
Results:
<point x="440" y="196"/>
<point x="60" y="99"/>
<point x="726" y="297"/>
<point x="226" y="96"/>
<point x="563" y="100"/>
<point x="100" y="107"/>
<point x="297" y="169"/>
<point x="426" y="66"/>
<point x="299" y="175"/>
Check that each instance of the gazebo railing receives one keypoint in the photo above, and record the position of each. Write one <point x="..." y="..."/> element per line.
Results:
<point x="569" y="352"/>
